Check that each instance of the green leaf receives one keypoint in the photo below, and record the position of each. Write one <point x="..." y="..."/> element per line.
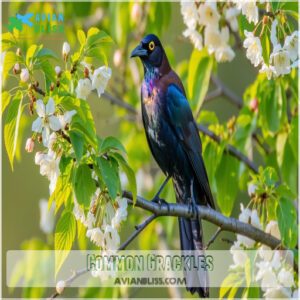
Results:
<point x="293" y="137"/>
<point x="11" y="126"/>
<point x="109" y="172"/>
<point x="5" y="100"/>
<point x="8" y="41"/>
<point x="81" y="37"/>
<point x="65" y="233"/>
<point x="230" y="285"/>
<point x="226" y="180"/>
<point x="109" y="143"/>
<point x="49" y="73"/>
<point x="266" y="46"/>
<point x="84" y="185"/>
<point x="77" y="140"/>
<point x="129" y="173"/>
<point x="10" y="59"/>
<point x="31" y="53"/>
<point x="63" y="189"/>
<point x="287" y="222"/>
<point x="45" y="53"/>
<point x="97" y="38"/>
<point x="200" y="67"/>
<point x="269" y="106"/>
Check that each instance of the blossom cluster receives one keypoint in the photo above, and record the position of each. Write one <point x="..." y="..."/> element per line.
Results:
<point x="203" y="21"/>
<point x="206" y="17"/>
<point x="106" y="236"/>
<point x="274" y="274"/>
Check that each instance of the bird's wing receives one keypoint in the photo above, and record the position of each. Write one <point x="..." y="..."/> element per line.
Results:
<point x="181" y="118"/>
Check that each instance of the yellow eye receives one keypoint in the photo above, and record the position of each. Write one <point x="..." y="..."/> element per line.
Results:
<point x="151" y="46"/>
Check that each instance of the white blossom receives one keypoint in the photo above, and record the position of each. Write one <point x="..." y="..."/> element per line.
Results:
<point x="112" y="238"/>
<point x="66" y="118"/>
<point x="96" y="236"/>
<point x="277" y="292"/>
<point x="57" y="70"/>
<point x="250" y="217"/>
<point x="121" y="213"/>
<point x="254" y="48"/>
<point x="49" y="167"/>
<point x="291" y="45"/>
<point x="46" y="120"/>
<point x="208" y="14"/>
<point x="84" y="88"/>
<point x="29" y="145"/>
<point x="268" y="70"/>
<point x="251" y="189"/>
<point x="24" y="76"/>
<point x="249" y="9"/>
<point x="60" y="286"/>
<point x="265" y="253"/>
<point x="273" y="35"/>
<point x="195" y="37"/>
<point x="66" y="49"/>
<point x="273" y="229"/>
<point x="136" y="12"/>
<point x="266" y="275"/>
<point x="239" y="255"/>
<point x="189" y="13"/>
<point x="100" y="79"/>
<point x="224" y="52"/>
<point x="52" y="140"/>
<point x="280" y="59"/>
<point x="212" y="39"/>
<point x="46" y="216"/>
<point x="286" y="278"/>
<point x="231" y="16"/>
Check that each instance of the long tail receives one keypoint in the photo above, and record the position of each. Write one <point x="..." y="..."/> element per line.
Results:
<point x="191" y="239"/>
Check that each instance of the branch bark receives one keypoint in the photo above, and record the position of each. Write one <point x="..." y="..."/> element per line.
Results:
<point x="208" y="214"/>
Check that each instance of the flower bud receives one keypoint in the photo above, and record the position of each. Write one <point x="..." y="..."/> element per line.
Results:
<point x="52" y="86"/>
<point x="254" y="105"/>
<point x="136" y="13"/>
<point x="24" y="76"/>
<point x="86" y="72"/>
<point x="60" y="286"/>
<point x="16" y="69"/>
<point x="265" y="20"/>
<point x="66" y="50"/>
<point x="118" y="57"/>
<point x="58" y="71"/>
<point x="18" y="52"/>
<point x="29" y="145"/>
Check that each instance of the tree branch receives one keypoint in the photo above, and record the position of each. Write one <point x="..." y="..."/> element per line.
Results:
<point x="208" y="214"/>
<point x="231" y="150"/>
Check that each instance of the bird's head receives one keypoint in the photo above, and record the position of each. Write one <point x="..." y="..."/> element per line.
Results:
<point x="150" y="51"/>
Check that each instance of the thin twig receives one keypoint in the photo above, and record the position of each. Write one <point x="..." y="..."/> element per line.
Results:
<point x="231" y="149"/>
<point x="120" y="103"/>
<point x="213" y="238"/>
<point x="139" y="229"/>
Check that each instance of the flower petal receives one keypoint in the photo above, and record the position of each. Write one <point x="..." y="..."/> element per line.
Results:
<point x="40" y="108"/>
<point x="37" y="125"/>
<point x="54" y="123"/>
<point x="45" y="136"/>
<point x="50" y="107"/>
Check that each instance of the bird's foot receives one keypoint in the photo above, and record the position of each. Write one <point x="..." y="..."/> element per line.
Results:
<point x="193" y="209"/>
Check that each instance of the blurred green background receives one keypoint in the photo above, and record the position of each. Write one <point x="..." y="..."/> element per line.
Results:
<point x="24" y="187"/>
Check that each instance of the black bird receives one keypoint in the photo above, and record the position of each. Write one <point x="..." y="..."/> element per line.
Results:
<point x="174" y="141"/>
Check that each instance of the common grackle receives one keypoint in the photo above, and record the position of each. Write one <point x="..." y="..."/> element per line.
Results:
<point x="174" y="141"/>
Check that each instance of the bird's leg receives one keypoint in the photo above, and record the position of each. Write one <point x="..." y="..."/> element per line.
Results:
<point x="193" y="202"/>
<point x="156" y="198"/>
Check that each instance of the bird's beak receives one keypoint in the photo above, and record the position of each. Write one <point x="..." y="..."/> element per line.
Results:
<point x="139" y="51"/>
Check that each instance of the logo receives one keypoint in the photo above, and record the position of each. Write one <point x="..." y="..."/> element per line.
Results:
<point x="39" y="22"/>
